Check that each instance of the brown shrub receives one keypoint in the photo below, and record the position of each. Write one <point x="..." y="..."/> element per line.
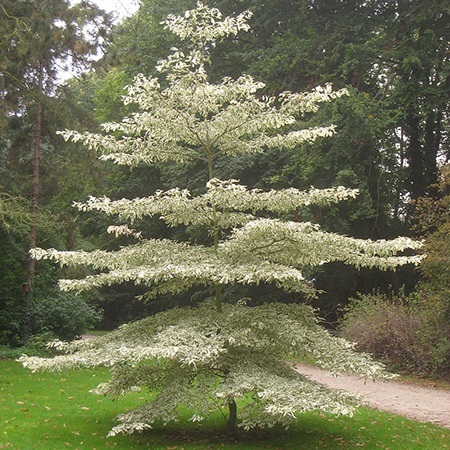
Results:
<point x="401" y="332"/>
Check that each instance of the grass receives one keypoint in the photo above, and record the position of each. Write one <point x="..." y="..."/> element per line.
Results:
<point x="55" y="411"/>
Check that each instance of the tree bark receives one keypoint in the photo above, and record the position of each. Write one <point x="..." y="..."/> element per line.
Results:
<point x="432" y="144"/>
<point x="28" y="319"/>
<point x="232" y="418"/>
<point x="415" y="157"/>
<point x="36" y="174"/>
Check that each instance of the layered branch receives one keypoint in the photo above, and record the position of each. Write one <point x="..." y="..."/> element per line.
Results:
<point x="262" y="251"/>
<point x="304" y="244"/>
<point x="180" y="122"/>
<point x="204" y="358"/>
<point x="226" y="203"/>
<point x="170" y="267"/>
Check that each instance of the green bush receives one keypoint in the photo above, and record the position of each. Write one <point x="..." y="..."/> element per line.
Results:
<point x="35" y="346"/>
<point x="65" y="315"/>
<point x="409" y="334"/>
<point x="434" y="335"/>
<point x="12" y="275"/>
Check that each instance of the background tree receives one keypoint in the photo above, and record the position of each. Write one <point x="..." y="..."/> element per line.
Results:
<point x="391" y="132"/>
<point x="433" y="222"/>
<point x="38" y="39"/>
<point x="416" y="37"/>
<point x="217" y="353"/>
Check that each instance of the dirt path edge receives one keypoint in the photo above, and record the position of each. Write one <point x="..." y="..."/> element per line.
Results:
<point x="415" y="402"/>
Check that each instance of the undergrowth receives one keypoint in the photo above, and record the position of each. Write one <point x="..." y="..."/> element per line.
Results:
<point x="409" y="334"/>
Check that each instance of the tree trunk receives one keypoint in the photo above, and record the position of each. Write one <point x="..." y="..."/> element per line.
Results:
<point x="232" y="418"/>
<point x="36" y="160"/>
<point x="432" y="143"/>
<point x="415" y="157"/>
<point x="27" y="327"/>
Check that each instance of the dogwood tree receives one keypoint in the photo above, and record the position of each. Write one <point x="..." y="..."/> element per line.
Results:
<point x="210" y="356"/>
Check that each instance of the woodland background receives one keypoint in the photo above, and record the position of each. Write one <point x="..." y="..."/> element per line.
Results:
<point x="392" y="143"/>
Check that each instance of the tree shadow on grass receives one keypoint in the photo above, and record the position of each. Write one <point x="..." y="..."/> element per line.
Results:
<point x="313" y="432"/>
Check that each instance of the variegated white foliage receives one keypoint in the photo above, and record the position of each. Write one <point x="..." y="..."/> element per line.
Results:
<point x="204" y="359"/>
<point x="206" y="25"/>
<point x="194" y="119"/>
<point x="198" y="121"/>
<point x="226" y="204"/>
<point x="262" y="251"/>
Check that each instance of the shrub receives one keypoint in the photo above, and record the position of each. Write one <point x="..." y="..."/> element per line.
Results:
<point x="65" y="315"/>
<point x="36" y="345"/>
<point x="12" y="275"/>
<point x="434" y="334"/>
<point x="409" y="334"/>
<point x="385" y="327"/>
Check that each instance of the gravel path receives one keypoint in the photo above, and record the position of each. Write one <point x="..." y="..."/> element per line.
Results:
<point x="415" y="402"/>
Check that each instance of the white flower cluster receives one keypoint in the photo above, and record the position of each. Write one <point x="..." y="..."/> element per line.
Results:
<point x="123" y="230"/>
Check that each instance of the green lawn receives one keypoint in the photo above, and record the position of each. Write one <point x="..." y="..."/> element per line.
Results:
<point x="55" y="411"/>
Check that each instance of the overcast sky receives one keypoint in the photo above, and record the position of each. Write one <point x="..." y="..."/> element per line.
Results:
<point x="121" y="8"/>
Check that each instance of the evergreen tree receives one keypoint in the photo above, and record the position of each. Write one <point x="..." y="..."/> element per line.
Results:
<point x="37" y="40"/>
<point x="217" y="353"/>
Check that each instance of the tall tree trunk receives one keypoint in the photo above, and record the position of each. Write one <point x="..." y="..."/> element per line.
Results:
<point x="432" y="144"/>
<point x="36" y="167"/>
<point x="27" y="328"/>
<point x="415" y="156"/>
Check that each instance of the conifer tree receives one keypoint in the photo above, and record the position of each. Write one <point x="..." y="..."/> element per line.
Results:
<point x="213" y="355"/>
